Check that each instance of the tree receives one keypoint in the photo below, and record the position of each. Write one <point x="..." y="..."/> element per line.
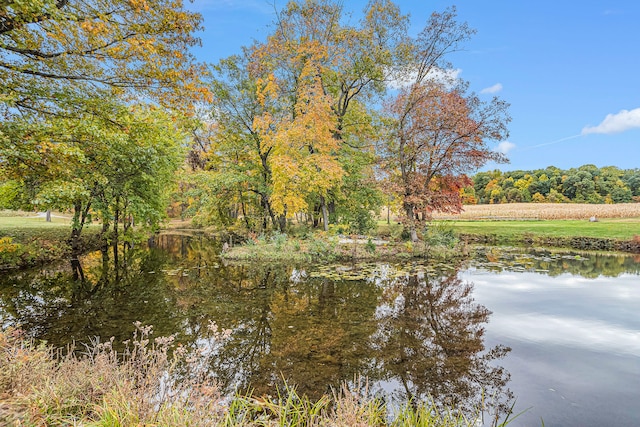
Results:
<point x="67" y="68"/>
<point x="439" y="136"/>
<point x="323" y="72"/>
<point x="285" y="108"/>
<point x="240" y="159"/>
<point x="305" y="150"/>
<point x="438" y="132"/>
<point x="117" y="169"/>
<point x="431" y="342"/>
<point x="578" y="185"/>
<point x="56" y="54"/>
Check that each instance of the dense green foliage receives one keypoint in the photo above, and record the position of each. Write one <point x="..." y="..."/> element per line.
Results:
<point x="116" y="169"/>
<point x="88" y="97"/>
<point x="586" y="184"/>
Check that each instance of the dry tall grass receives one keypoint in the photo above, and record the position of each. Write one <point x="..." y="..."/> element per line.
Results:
<point x="148" y="386"/>
<point x="546" y="211"/>
<point x="143" y="386"/>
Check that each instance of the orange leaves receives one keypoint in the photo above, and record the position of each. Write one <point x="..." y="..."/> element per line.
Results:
<point x="139" y="5"/>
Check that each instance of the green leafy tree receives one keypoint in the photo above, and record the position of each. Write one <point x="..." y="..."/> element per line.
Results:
<point x="118" y="169"/>
<point x="67" y="67"/>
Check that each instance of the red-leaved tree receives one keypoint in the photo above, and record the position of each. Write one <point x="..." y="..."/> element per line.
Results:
<point x="439" y="135"/>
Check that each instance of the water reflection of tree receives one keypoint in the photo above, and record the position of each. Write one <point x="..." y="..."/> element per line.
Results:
<point x="312" y="333"/>
<point x="430" y="341"/>
<point x="421" y="332"/>
<point x="101" y="294"/>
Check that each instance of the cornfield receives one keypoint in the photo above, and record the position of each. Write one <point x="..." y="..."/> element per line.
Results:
<point x="546" y="211"/>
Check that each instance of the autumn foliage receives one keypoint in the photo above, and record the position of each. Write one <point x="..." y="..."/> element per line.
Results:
<point x="322" y="121"/>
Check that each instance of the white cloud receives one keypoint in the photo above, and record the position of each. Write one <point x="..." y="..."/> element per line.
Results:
<point x="614" y="123"/>
<point x="404" y="79"/>
<point x="505" y="146"/>
<point x="568" y="331"/>
<point x="492" y="89"/>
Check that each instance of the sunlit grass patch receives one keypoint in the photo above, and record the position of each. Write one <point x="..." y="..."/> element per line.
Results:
<point x="604" y="228"/>
<point x="29" y="240"/>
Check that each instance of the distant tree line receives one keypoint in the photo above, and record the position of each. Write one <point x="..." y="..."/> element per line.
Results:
<point x="586" y="184"/>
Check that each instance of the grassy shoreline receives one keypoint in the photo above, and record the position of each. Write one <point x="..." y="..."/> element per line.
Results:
<point x="622" y="234"/>
<point x="443" y="239"/>
<point x="620" y="229"/>
<point x="26" y="241"/>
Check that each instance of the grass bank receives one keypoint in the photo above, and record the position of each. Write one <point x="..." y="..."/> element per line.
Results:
<point x="30" y="240"/>
<point x="445" y="239"/>
<point x="156" y="383"/>
<point x="613" y="234"/>
<point x="551" y="224"/>
<point x="622" y="229"/>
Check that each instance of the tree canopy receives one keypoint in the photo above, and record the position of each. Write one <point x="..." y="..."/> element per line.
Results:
<point x="585" y="184"/>
<point x="300" y="130"/>
<point x="91" y="97"/>
<point x="324" y="120"/>
<point x="55" y="55"/>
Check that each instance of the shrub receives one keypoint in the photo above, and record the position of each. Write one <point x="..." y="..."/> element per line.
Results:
<point x="279" y="239"/>
<point x="145" y="385"/>
<point x="11" y="253"/>
<point x="439" y="234"/>
<point x="370" y="246"/>
<point x="322" y="248"/>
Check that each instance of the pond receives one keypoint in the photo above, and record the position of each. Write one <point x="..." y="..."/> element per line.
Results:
<point x="556" y="333"/>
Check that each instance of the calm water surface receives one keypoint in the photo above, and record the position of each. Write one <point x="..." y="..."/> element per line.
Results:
<point x="560" y="332"/>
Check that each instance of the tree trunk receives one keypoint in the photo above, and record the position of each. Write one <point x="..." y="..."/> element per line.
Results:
<point x="267" y="205"/>
<point x="48" y="215"/>
<point x="76" y="268"/>
<point x="411" y="221"/>
<point x="282" y="222"/>
<point x="79" y="217"/>
<point x="116" y="218"/>
<point x="325" y="213"/>
<point x="105" y="226"/>
<point x="244" y="212"/>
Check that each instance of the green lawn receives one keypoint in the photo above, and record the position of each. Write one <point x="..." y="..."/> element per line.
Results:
<point x="7" y="222"/>
<point x="624" y="229"/>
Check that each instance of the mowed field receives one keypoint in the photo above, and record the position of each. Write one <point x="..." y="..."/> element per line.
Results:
<point x="619" y="221"/>
<point x="515" y="211"/>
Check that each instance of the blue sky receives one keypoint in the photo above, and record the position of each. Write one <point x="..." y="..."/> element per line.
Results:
<point x="570" y="70"/>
